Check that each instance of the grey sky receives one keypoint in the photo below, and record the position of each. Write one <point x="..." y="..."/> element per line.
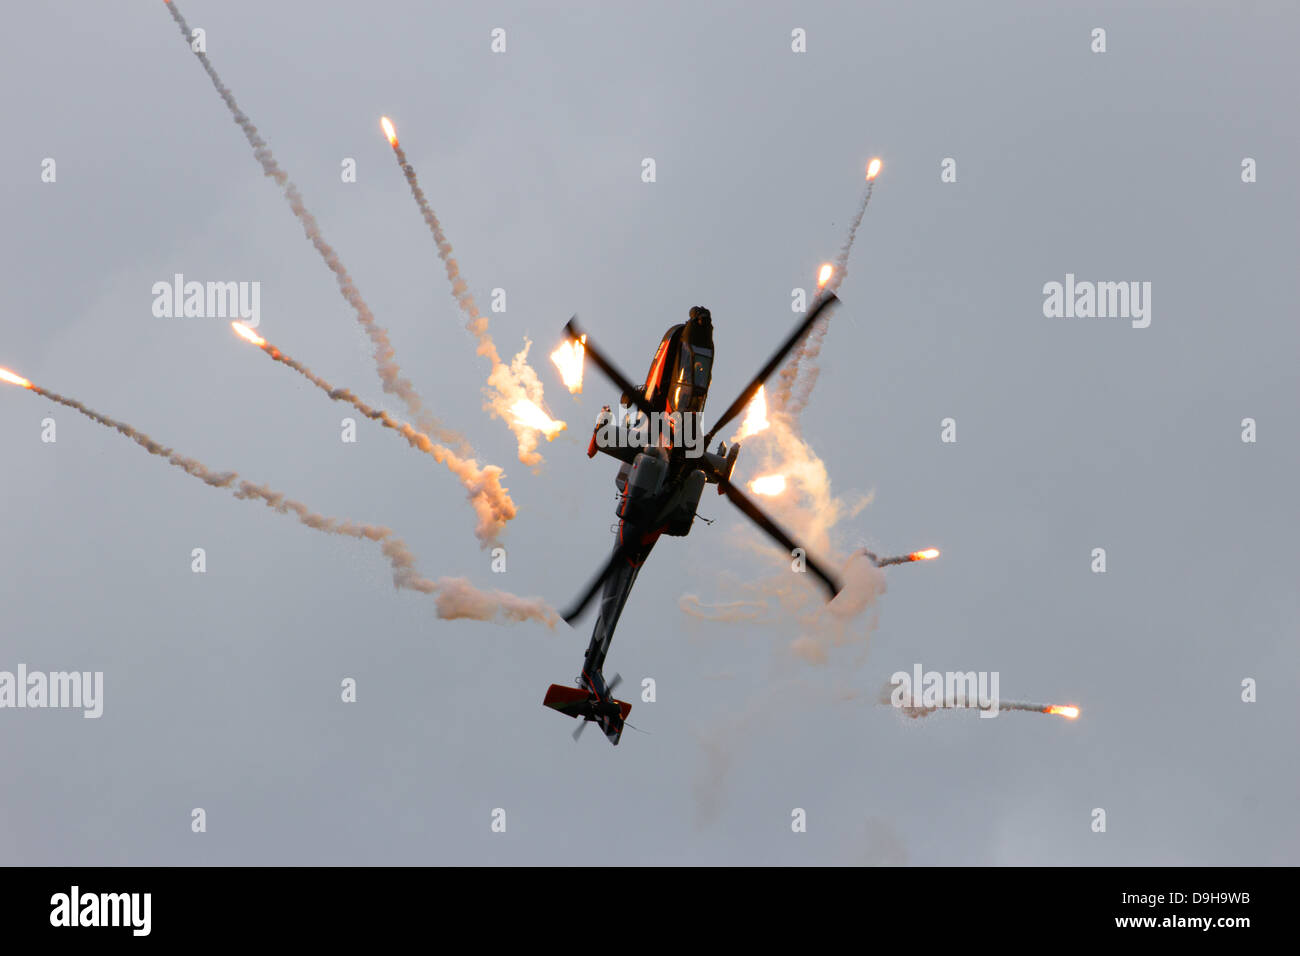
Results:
<point x="222" y="689"/>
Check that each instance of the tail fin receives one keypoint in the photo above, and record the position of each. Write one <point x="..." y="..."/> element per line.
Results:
<point x="610" y="714"/>
<point x="570" y="701"/>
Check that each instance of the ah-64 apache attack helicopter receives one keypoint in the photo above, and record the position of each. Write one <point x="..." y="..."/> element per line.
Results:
<point x="662" y="476"/>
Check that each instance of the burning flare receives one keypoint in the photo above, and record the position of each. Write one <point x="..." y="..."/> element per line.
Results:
<point x="768" y="485"/>
<point x="927" y="555"/>
<point x="568" y="358"/>
<point x="389" y="131"/>
<point x="873" y="169"/>
<point x="755" y="417"/>
<point x="12" y="379"/>
<point x="245" y="332"/>
<point x="824" y="275"/>
<point x="527" y="413"/>
<point x="1063" y="710"/>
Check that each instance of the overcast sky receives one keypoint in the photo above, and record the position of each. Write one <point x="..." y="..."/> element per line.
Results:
<point x="222" y="689"/>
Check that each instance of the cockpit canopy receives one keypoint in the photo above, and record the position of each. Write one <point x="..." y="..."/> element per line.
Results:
<point x="683" y="367"/>
<point x="694" y="372"/>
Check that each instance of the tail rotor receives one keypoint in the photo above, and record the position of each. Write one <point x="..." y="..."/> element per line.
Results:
<point x="609" y="693"/>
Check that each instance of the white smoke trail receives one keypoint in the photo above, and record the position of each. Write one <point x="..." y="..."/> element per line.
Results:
<point x="808" y="507"/>
<point x="792" y="395"/>
<point x="729" y="611"/>
<point x="456" y="597"/>
<point x="389" y="372"/>
<point x="796" y="606"/>
<point x="842" y="260"/>
<point x="490" y="500"/>
<point x="918" y="711"/>
<point x="809" y="510"/>
<point x="836" y="623"/>
<point x="508" y="385"/>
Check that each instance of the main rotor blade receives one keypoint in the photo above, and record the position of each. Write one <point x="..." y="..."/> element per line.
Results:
<point x="760" y="518"/>
<point x="575" y="610"/>
<point x="827" y="301"/>
<point x="612" y="372"/>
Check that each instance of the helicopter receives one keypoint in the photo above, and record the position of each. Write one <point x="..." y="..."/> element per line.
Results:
<point x="665" y="465"/>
